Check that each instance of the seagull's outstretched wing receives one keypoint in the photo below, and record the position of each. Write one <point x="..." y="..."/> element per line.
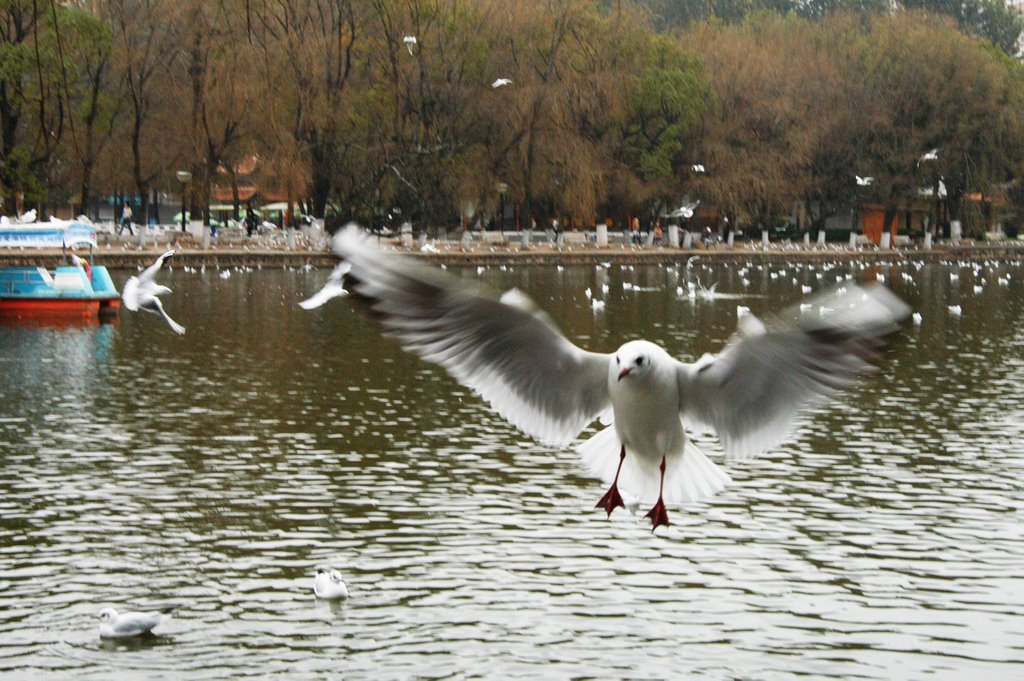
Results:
<point x="505" y="349"/>
<point x="130" y="294"/>
<point x="154" y="305"/>
<point x="150" y="272"/>
<point x="752" y="392"/>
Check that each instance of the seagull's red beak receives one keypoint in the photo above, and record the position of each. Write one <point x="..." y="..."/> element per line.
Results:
<point x="623" y="373"/>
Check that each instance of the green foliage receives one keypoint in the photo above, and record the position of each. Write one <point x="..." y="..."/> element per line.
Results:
<point x="666" y="99"/>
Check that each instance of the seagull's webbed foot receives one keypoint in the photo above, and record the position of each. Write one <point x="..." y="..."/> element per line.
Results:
<point x="612" y="499"/>
<point x="658" y="515"/>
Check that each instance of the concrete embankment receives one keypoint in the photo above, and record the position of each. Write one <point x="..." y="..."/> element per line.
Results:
<point x="455" y="255"/>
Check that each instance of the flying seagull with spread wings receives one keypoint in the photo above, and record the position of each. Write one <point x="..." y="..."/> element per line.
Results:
<point x="511" y="353"/>
<point x="140" y="293"/>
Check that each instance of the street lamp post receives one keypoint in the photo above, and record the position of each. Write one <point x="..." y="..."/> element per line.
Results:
<point x="502" y="188"/>
<point x="184" y="177"/>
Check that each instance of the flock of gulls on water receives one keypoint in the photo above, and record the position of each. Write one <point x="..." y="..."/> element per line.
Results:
<point x="502" y="346"/>
<point x="328" y="585"/>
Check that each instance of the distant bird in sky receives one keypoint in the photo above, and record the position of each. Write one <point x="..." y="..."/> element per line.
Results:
<point x="334" y="288"/>
<point x="501" y="82"/>
<point x="410" y="42"/>
<point x="129" y="624"/>
<point x="329" y="585"/>
<point x="511" y="354"/>
<point x="697" y="168"/>
<point x="140" y="293"/>
<point x="864" y="181"/>
<point x="932" y="155"/>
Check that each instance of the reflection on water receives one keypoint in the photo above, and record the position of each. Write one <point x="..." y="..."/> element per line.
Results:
<point x="214" y="471"/>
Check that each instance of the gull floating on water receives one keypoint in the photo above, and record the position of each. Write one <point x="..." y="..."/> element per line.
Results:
<point x="140" y="293"/>
<point x="500" y="82"/>
<point x="511" y="353"/>
<point x="328" y="584"/>
<point x="129" y="624"/>
<point x="334" y="288"/>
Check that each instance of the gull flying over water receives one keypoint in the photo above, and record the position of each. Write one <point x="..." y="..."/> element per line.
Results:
<point x="140" y="293"/>
<point x="511" y="353"/>
<point x="697" y="167"/>
<point x="334" y="288"/>
<point x="500" y="82"/>
<point x="685" y="210"/>
<point x="932" y="155"/>
<point x="864" y="181"/>
<point x="129" y="624"/>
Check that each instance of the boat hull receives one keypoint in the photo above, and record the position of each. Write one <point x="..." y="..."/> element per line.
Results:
<point x="70" y="293"/>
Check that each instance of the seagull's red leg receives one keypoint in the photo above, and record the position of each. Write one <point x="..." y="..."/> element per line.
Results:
<point x="612" y="499"/>
<point x="658" y="514"/>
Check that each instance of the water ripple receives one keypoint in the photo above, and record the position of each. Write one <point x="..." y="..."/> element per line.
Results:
<point x="214" y="471"/>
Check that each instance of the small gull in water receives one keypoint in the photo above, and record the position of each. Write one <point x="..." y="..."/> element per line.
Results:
<point x="512" y="355"/>
<point x="129" y="624"/>
<point x="328" y="584"/>
<point x="140" y="293"/>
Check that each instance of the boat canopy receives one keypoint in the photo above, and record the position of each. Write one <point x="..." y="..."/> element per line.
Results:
<point x="54" y="234"/>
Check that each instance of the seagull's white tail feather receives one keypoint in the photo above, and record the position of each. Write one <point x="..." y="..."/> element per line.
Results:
<point x="689" y="477"/>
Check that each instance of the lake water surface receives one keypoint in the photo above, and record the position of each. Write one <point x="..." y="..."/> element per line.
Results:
<point x="214" y="471"/>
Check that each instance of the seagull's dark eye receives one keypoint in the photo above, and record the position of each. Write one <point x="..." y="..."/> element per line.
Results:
<point x="639" y="361"/>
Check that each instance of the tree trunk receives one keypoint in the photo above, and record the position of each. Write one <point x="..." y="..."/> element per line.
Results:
<point x="322" y="177"/>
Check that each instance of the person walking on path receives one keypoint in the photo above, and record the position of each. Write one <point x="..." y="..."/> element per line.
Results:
<point x="250" y="220"/>
<point x="126" y="219"/>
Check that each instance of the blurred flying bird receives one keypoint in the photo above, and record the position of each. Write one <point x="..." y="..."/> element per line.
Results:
<point x="334" y="288"/>
<point x="500" y="82"/>
<point x="932" y="155"/>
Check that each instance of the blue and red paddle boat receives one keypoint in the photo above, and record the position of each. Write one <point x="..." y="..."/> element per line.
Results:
<point x="76" y="289"/>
